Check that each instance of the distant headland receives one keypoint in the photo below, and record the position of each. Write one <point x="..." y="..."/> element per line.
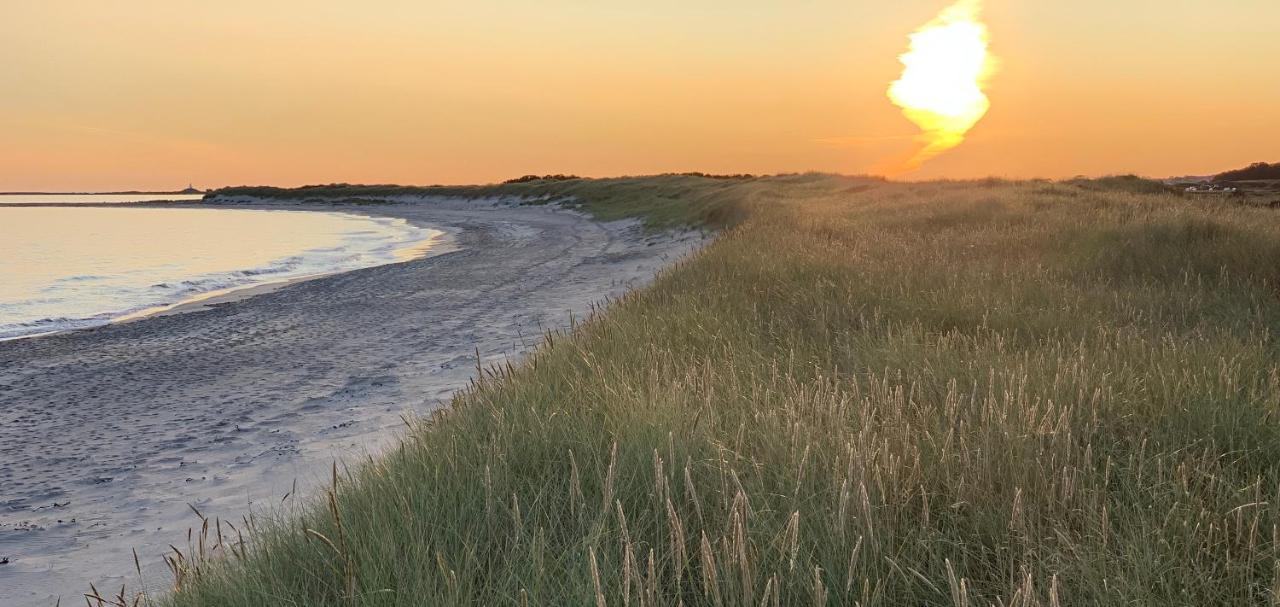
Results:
<point x="190" y="189"/>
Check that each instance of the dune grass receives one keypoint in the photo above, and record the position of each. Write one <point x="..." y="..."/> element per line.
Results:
<point x="660" y="201"/>
<point x="861" y="393"/>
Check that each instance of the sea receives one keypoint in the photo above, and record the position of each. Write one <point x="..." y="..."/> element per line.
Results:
<point x="73" y="267"/>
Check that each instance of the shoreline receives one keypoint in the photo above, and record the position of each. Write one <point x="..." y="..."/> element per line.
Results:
<point x="440" y="243"/>
<point x="108" y="433"/>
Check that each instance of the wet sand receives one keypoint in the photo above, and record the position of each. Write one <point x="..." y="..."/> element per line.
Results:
<point x="107" y="434"/>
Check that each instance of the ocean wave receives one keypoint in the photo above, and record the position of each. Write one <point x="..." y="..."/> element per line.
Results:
<point x="85" y="300"/>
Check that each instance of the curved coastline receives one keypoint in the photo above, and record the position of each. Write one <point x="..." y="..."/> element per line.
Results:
<point x="115" y="430"/>
<point x="437" y="242"/>
<point x="440" y="242"/>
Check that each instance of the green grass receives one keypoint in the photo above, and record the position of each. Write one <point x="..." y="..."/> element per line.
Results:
<point x="981" y="393"/>
<point x="664" y="201"/>
<point x="1123" y="183"/>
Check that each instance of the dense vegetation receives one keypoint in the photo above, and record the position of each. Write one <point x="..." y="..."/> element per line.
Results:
<point x="1255" y="171"/>
<point x="981" y="393"/>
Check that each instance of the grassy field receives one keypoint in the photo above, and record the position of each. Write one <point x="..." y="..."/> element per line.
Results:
<point x="862" y="393"/>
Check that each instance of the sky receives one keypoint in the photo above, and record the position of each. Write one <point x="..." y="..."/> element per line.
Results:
<point x="134" y="94"/>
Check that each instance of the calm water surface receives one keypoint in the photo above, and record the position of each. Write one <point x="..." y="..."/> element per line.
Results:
<point x="67" y="267"/>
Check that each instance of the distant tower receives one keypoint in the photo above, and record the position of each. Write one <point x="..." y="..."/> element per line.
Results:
<point x="191" y="189"/>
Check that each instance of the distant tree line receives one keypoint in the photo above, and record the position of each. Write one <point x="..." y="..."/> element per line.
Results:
<point x="560" y="177"/>
<point x="1257" y="170"/>
<point x="530" y="178"/>
<point x="715" y="176"/>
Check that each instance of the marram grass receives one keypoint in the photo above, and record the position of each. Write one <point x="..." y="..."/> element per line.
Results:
<point x="861" y="393"/>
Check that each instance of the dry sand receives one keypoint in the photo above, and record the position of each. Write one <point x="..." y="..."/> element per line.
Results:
<point x="107" y="434"/>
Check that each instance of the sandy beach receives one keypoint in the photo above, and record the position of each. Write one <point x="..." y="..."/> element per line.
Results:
<point x="107" y="435"/>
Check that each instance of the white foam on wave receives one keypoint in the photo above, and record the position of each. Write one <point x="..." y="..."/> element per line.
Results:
<point x="96" y="298"/>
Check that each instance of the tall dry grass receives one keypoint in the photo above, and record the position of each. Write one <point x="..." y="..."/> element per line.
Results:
<point x="963" y="394"/>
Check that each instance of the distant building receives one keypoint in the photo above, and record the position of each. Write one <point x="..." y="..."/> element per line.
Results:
<point x="1211" y="188"/>
<point x="191" y="190"/>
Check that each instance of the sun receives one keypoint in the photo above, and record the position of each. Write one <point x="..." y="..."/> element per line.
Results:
<point x="944" y="72"/>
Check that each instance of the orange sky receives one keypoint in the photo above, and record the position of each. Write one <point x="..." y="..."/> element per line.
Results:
<point x="131" y="94"/>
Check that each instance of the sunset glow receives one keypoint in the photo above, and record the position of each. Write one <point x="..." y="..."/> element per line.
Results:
<point x="107" y="96"/>
<point x="941" y="88"/>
